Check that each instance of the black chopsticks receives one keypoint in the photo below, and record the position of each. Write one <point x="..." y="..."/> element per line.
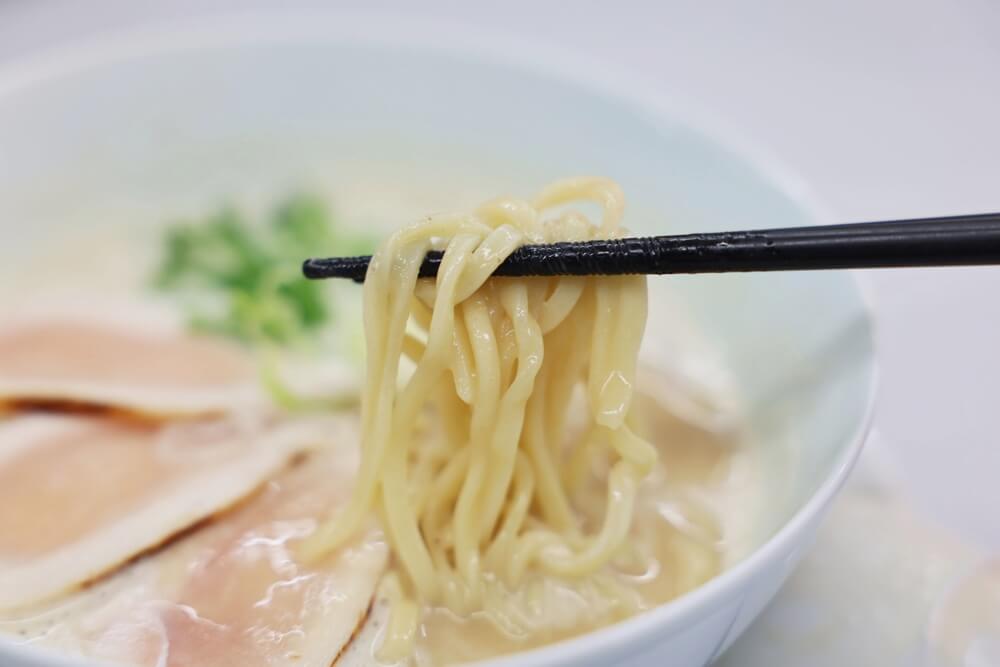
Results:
<point x="963" y="240"/>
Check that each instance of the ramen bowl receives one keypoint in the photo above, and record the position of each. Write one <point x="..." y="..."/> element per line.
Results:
<point x="396" y="119"/>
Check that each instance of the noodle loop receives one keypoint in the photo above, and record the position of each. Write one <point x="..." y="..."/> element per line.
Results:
<point x="487" y="495"/>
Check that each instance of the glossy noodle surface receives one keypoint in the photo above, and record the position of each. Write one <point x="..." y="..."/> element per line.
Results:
<point x="506" y="467"/>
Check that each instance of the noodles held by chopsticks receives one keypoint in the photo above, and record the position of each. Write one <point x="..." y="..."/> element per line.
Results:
<point x="484" y="496"/>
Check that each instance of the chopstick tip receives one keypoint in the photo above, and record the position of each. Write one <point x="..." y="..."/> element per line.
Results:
<point x="354" y="268"/>
<point x="313" y="269"/>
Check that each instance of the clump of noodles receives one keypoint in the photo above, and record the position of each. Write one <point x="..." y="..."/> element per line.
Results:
<point x="484" y="497"/>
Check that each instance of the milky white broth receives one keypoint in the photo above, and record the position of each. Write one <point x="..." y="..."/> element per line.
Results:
<point x="701" y="505"/>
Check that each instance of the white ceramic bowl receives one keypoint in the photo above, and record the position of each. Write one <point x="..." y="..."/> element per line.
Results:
<point x="165" y="122"/>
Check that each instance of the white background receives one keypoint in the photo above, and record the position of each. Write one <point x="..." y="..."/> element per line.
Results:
<point x="886" y="108"/>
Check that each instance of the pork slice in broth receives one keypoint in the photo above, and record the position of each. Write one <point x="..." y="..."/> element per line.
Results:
<point x="80" y="495"/>
<point x="72" y="360"/>
<point x="232" y="593"/>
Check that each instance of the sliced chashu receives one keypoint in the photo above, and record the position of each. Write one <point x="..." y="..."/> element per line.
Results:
<point x="361" y="650"/>
<point x="130" y="362"/>
<point x="81" y="495"/>
<point x="232" y="593"/>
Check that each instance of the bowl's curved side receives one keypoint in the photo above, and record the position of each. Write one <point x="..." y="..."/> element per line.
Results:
<point x="695" y="629"/>
<point x="647" y="142"/>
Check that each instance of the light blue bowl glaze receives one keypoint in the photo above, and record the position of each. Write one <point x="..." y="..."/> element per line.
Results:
<point x="170" y="121"/>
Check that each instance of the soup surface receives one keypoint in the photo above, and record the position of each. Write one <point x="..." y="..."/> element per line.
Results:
<point x="233" y="585"/>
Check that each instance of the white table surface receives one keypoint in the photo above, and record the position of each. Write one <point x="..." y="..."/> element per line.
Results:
<point x="886" y="108"/>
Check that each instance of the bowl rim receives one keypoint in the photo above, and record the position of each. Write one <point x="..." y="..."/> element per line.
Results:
<point x="229" y="29"/>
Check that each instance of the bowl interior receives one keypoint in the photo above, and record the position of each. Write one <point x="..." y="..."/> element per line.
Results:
<point x="393" y="131"/>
